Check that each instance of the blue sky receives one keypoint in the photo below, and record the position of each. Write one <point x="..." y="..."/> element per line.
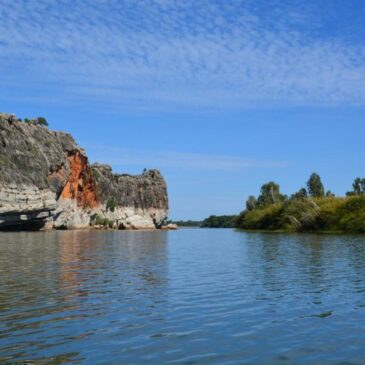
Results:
<point x="221" y="96"/>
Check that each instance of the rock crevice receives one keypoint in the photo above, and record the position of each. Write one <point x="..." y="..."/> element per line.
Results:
<point x="80" y="185"/>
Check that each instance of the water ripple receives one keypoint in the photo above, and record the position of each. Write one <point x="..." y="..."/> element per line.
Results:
<point x="185" y="297"/>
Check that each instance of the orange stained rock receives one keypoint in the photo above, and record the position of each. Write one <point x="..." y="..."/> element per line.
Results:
<point x="81" y="184"/>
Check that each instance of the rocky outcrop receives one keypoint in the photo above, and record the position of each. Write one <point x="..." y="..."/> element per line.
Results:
<point x="133" y="202"/>
<point x="46" y="182"/>
<point x="170" y="227"/>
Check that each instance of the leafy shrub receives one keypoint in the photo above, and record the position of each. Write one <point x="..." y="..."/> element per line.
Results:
<point x="111" y="204"/>
<point x="41" y="121"/>
<point x="329" y="215"/>
<point x="351" y="215"/>
<point x="263" y="218"/>
<point x="102" y="221"/>
<point x="36" y="121"/>
<point x="300" y="215"/>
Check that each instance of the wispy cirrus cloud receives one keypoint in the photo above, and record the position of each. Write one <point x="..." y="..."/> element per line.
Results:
<point x="124" y="157"/>
<point x="168" y="54"/>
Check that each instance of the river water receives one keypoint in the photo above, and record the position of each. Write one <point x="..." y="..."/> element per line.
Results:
<point x="193" y="296"/>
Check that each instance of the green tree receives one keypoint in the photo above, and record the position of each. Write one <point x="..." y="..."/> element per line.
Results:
<point x="358" y="187"/>
<point x="315" y="186"/>
<point x="301" y="194"/>
<point x="36" y="121"/>
<point x="42" y="121"/>
<point x="270" y="194"/>
<point x="251" y="203"/>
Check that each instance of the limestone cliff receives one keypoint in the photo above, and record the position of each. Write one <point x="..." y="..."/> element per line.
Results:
<point x="46" y="182"/>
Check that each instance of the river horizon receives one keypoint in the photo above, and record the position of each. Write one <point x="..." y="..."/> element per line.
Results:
<point x="192" y="296"/>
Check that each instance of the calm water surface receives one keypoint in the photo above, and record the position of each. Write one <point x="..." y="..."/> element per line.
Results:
<point x="185" y="297"/>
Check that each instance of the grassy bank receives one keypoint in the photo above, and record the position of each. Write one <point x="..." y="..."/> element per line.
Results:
<point x="308" y="214"/>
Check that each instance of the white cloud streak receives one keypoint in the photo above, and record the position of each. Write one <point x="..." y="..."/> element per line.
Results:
<point x="122" y="157"/>
<point x="168" y="54"/>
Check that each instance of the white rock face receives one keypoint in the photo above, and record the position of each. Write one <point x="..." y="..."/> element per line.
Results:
<point x="23" y="205"/>
<point x="132" y="218"/>
<point x="28" y="203"/>
<point x="19" y="204"/>
<point x="25" y="198"/>
<point x="70" y="216"/>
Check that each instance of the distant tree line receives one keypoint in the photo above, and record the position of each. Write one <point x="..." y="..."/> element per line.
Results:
<point x="214" y="221"/>
<point x="222" y="221"/>
<point x="311" y="208"/>
<point x="187" y="223"/>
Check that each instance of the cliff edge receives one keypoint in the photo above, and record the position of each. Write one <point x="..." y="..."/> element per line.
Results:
<point x="46" y="181"/>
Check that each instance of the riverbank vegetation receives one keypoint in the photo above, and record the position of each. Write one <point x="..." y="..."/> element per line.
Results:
<point x="310" y="209"/>
<point x="188" y="223"/>
<point x="213" y="221"/>
<point x="220" y="221"/>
